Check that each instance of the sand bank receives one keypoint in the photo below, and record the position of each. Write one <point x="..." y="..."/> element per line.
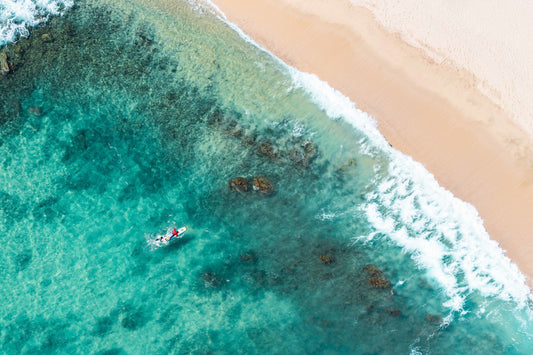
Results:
<point x="431" y="111"/>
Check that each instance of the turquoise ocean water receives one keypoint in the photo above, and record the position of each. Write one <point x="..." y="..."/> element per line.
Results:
<point x="119" y="120"/>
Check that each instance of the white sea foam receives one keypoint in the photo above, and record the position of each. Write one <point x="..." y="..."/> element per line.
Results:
<point x="16" y="16"/>
<point x="444" y="235"/>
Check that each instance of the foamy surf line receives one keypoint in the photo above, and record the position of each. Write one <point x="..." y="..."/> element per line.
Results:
<point x="444" y="235"/>
<point x="17" y="16"/>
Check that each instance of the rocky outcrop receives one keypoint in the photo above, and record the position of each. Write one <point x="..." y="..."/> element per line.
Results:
<point x="47" y="38"/>
<point x="326" y="259"/>
<point x="309" y="147"/>
<point x="372" y="270"/>
<point x="239" y="184"/>
<point x="5" y="68"/>
<point x="379" y="282"/>
<point x="260" y="184"/>
<point x="393" y="312"/>
<point x="266" y="149"/>
<point x="376" y="279"/>
<point x="263" y="185"/>
<point x="302" y="154"/>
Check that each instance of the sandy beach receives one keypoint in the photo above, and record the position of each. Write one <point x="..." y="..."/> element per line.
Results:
<point x="426" y="107"/>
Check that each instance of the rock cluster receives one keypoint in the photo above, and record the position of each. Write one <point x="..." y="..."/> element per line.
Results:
<point x="393" y="312"/>
<point x="379" y="282"/>
<point x="303" y="154"/>
<point x="372" y="270"/>
<point x="263" y="185"/>
<point x="47" y="38"/>
<point x="260" y="184"/>
<point x="5" y="66"/>
<point x="297" y="151"/>
<point x="239" y="184"/>
<point x="266" y="149"/>
<point x="376" y="278"/>
<point x="326" y="259"/>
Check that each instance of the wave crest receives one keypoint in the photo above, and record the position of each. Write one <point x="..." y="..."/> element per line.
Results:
<point x="16" y="16"/>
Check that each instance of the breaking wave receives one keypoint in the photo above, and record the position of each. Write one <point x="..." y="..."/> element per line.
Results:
<point x="17" y="16"/>
<point x="444" y="235"/>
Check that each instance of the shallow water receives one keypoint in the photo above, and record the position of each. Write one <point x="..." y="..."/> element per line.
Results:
<point x="108" y="140"/>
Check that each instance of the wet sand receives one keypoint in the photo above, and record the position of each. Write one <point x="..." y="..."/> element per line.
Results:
<point x="431" y="111"/>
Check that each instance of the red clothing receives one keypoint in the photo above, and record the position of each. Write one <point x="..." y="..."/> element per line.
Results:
<point x="174" y="232"/>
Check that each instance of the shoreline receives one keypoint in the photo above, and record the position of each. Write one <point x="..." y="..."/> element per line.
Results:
<point x="430" y="111"/>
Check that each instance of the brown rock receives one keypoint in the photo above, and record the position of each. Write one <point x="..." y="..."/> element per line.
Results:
<point x="240" y="184"/>
<point x="308" y="147"/>
<point x="372" y="270"/>
<point x="326" y="259"/>
<point x="4" y="64"/>
<point x="46" y="37"/>
<point x="263" y="185"/>
<point x="266" y="149"/>
<point x="379" y="282"/>
<point x="393" y="312"/>
<point x="249" y="140"/>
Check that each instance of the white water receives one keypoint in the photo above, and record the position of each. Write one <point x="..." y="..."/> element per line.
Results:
<point x="444" y="235"/>
<point x="17" y="16"/>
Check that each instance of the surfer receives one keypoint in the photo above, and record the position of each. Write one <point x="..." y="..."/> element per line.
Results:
<point x="169" y="236"/>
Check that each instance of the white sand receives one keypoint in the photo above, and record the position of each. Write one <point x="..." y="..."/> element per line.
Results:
<point x="489" y="38"/>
